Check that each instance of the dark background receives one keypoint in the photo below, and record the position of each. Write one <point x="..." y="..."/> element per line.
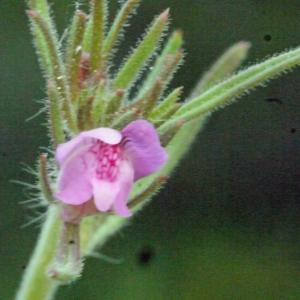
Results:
<point x="226" y="226"/>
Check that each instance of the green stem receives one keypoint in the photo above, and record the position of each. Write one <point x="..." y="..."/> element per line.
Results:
<point x="36" y="285"/>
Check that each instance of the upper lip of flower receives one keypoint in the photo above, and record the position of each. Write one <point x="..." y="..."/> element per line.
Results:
<point x="108" y="171"/>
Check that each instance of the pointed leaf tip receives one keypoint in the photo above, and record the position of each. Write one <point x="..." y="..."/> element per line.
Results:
<point x="31" y="13"/>
<point x="163" y="177"/>
<point x="180" y="122"/>
<point x="120" y="92"/>
<point x="80" y="13"/>
<point x="165" y="14"/>
<point x="179" y="32"/>
<point x="50" y="84"/>
<point x="138" y="111"/>
<point x="43" y="157"/>
<point x="244" y="45"/>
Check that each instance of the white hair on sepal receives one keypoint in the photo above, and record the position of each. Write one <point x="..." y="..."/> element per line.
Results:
<point x="115" y="261"/>
<point x="38" y="220"/>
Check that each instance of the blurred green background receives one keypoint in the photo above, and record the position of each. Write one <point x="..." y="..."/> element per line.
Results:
<point x="226" y="225"/>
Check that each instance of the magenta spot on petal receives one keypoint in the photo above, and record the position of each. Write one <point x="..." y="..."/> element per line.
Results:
<point x="109" y="158"/>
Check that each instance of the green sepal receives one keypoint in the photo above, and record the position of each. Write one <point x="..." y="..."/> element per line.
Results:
<point x="139" y="56"/>
<point x="167" y="133"/>
<point x="163" y="107"/>
<point x="54" y="68"/>
<point x="117" y="27"/>
<point x="169" y="66"/>
<point x="148" y="102"/>
<point x="84" y="117"/>
<point x="44" y="182"/>
<point x="228" y="63"/>
<point x="48" y="48"/>
<point x="87" y="38"/>
<point x="141" y="199"/>
<point x="125" y="118"/>
<point x="113" y="105"/>
<point x="167" y="115"/>
<point x="74" y="52"/>
<point x="164" y="76"/>
<point x="98" y="17"/>
<point x="99" y="105"/>
<point x="41" y="6"/>
<point x="55" y="115"/>
<point x="67" y="264"/>
<point x="172" y="47"/>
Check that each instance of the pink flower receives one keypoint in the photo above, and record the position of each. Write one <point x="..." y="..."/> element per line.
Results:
<point x="98" y="168"/>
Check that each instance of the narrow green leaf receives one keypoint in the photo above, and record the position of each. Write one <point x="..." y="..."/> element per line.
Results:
<point x="182" y="141"/>
<point x="151" y="98"/>
<point x="237" y="85"/>
<point x="166" y="72"/>
<point x="99" y="104"/>
<point x="172" y="47"/>
<point x="87" y="39"/>
<point x="81" y="120"/>
<point x="180" y="144"/>
<point x="43" y="179"/>
<point x="168" y="132"/>
<point x="125" y="118"/>
<point x="148" y="101"/>
<point x="55" y="115"/>
<point x="98" y="15"/>
<point x="113" y="104"/>
<point x="229" y="62"/>
<point x="167" y="115"/>
<point x="41" y="6"/>
<point x="165" y="105"/>
<point x="139" y="56"/>
<point x="46" y="42"/>
<point x="84" y="118"/>
<point x="140" y="200"/>
<point x="117" y="27"/>
<point x="42" y="49"/>
<point x="74" y="52"/>
<point x="55" y="71"/>
<point x="170" y="66"/>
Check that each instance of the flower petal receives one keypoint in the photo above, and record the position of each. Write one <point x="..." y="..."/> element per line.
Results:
<point x="105" y="193"/>
<point x="114" y="193"/>
<point x="125" y="178"/>
<point x="120" y="204"/>
<point x="141" y="143"/>
<point x="74" y="185"/>
<point x="63" y="151"/>
<point x="107" y="135"/>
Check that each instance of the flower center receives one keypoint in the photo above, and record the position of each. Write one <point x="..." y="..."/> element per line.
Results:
<point x="108" y="160"/>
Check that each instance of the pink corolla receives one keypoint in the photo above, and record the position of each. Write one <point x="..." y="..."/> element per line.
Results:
<point x="98" y="168"/>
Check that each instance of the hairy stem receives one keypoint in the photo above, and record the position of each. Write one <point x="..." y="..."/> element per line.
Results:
<point x="35" y="284"/>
